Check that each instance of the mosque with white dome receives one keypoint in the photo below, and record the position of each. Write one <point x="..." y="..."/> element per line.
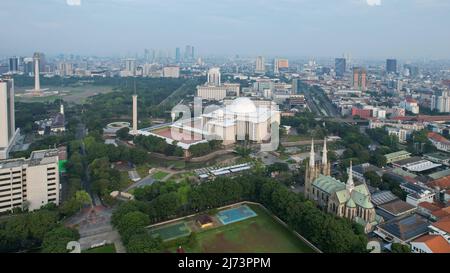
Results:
<point x="238" y="119"/>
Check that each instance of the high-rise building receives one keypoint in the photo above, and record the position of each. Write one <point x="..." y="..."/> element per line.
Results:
<point x="359" y="79"/>
<point x="340" y="66"/>
<point x="13" y="64"/>
<point x="391" y="66"/>
<point x="130" y="67"/>
<point x="441" y="103"/>
<point x="8" y="130"/>
<point x="214" y="77"/>
<point x="28" y="68"/>
<point x="30" y="183"/>
<point x="42" y="62"/>
<point x="280" y="64"/>
<point x="177" y="55"/>
<point x="260" y="66"/>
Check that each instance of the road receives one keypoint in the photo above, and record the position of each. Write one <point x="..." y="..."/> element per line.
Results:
<point x="146" y="181"/>
<point x="86" y="179"/>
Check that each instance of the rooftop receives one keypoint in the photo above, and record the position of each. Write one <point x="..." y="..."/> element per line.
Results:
<point x="406" y="228"/>
<point x="397" y="154"/>
<point x="436" y="243"/>
<point x="443" y="224"/>
<point x="397" y="207"/>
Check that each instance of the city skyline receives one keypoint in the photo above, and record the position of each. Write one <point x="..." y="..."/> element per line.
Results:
<point x="366" y="29"/>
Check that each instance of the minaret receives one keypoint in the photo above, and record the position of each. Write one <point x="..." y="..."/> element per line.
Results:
<point x="350" y="185"/>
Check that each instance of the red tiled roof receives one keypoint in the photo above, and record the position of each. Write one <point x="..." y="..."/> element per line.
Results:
<point x="437" y="137"/>
<point x="443" y="183"/>
<point x="430" y="206"/>
<point x="443" y="224"/>
<point x="436" y="243"/>
<point x="442" y="213"/>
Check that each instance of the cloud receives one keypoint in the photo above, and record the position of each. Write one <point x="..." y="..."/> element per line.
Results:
<point x="373" y="3"/>
<point x="73" y="2"/>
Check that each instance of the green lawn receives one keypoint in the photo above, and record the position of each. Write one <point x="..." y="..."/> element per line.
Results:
<point x="260" y="234"/>
<point x="102" y="249"/>
<point x="160" y="175"/>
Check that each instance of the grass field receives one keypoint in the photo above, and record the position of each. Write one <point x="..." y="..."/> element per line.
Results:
<point x="102" y="249"/>
<point x="160" y="175"/>
<point x="260" y="234"/>
<point x="172" y="231"/>
<point x="75" y="94"/>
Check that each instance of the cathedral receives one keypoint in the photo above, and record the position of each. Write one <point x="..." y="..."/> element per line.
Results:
<point x="341" y="199"/>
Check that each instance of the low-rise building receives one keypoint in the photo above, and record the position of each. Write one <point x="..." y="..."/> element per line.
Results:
<point x="430" y="244"/>
<point x="440" y="142"/>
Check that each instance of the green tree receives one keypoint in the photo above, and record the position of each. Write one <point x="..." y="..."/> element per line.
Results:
<point x="55" y="241"/>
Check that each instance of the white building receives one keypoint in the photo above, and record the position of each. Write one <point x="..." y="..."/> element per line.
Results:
<point x="238" y="119"/>
<point x="260" y="66"/>
<point x="171" y="72"/>
<point x="30" y="183"/>
<point x="214" y="77"/>
<point x="430" y="244"/>
<point x="410" y="105"/>
<point x="441" y="103"/>
<point x="213" y="89"/>
<point x="8" y="132"/>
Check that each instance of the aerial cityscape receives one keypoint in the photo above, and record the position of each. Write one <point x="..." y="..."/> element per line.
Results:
<point x="155" y="132"/>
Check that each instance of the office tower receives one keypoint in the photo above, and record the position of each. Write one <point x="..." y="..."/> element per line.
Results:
<point x="135" y="115"/>
<point x="260" y="65"/>
<point x="276" y="69"/>
<point x="391" y="66"/>
<point x="28" y="66"/>
<point x="359" y="79"/>
<point x="30" y="183"/>
<point x="13" y="65"/>
<point x="130" y="67"/>
<point x="65" y="69"/>
<point x="177" y="55"/>
<point x="340" y="66"/>
<point x="8" y="130"/>
<point x="214" y="77"/>
<point x="294" y="89"/>
<point x="192" y="53"/>
<point x="171" y="72"/>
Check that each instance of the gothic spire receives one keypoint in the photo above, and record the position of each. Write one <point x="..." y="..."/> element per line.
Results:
<point x="325" y="153"/>
<point x="350" y="185"/>
<point x="312" y="160"/>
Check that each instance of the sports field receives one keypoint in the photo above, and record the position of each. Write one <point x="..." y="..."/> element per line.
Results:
<point x="171" y="232"/>
<point x="258" y="234"/>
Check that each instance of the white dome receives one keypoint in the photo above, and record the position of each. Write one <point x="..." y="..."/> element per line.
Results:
<point x="242" y="106"/>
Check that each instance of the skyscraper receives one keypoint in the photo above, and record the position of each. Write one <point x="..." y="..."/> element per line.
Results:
<point x="189" y="53"/>
<point x="13" y="64"/>
<point x="7" y="119"/>
<point x="214" y="77"/>
<point x="391" y="66"/>
<point x="130" y="67"/>
<point x="260" y="65"/>
<point x="359" y="79"/>
<point x="340" y="66"/>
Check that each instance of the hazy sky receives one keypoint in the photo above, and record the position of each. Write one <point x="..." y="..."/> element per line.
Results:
<point x="319" y="28"/>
